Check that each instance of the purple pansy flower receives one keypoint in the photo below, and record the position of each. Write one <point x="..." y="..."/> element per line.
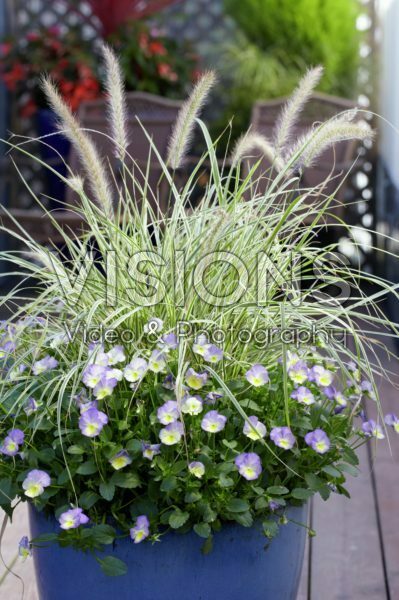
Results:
<point x="141" y="529"/>
<point x="172" y="433"/>
<point x="303" y="395"/>
<point x="92" y="375"/>
<point x="201" y="342"/>
<point x="12" y="442"/>
<point x="45" y="364"/>
<point x="393" y="421"/>
<point x="105" y="386"/>
<point x="257" y="375"/>
<point x="321" y="376"/>
<point x="31" y="406"/>
<point x="24" y="547"/>
<point x="150" y="450"/>
<point x="92" y="421"/>
<point x="254" y="430"/>
<point x="88" y="405"/>
<point x="35" y="482"/>
<point x="282" y="437"/>
<point x="73" y="518"/>
<point x="135" y="370"/>
<point x="318" y="440"/>
<point x="213" y="397"/>
<point x="116" y="355"/>
<point x="169" y="382"/>
<point x="299" y="372"/>
<point x="120" y="460"/>
<point x="249" y="465"/>
<point x="192" y="405"/>
<point x="197" y="469"/>
<point x="213" y="422"/>
<point x="330" y="392"/>
<point x="168" y="412"/>
<point x="169" y="342"/>
<point x="366" y="386"/>
<point x="157" y="361"/>
<point x="371" y="429"/>
<point x="212" y="354"/>
<point x="273" y="505"/>
<point x="196" y="380"/>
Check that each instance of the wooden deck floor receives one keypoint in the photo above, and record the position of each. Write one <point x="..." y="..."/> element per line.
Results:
<point x="354" y="556"/>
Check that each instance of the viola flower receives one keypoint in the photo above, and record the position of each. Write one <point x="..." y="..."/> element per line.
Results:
<point x="273" y="505"/>
<point x="282" y="437"/>
<point x="212" y="354"/>
<point x="24" y="548"/>
<point x="92" y="375"/>
<point x="153" y="325"/>
<point x="257" y="375"/>
<point x="116" y="355"/>
<point x="330" y="392"/>
<point x="200" y="344"/>
<point x="168" y="412"/>
<point x="393" y="421"/>
<point x="157" y="362"/>
<point x="45" y="364"/>
<point x="31" y="406"/>
<point x="249" y="465"/>
<point x="196" y="380"/>
<point x="35" y="482"/>
<point x="73" y="518"/>
<point x="192" y="405"/>
<point x="257" y="425"/>
<point x="303" y="395"/>
<point x="213" y="397"/>
<point x="84" y="406"/>
<point x="291" y="359"/>
<point x="105" y="387"/>
<point x="366" y="386"/>
<point x="371" y="429"/>
<point x="14" y="373"/>
<point x="150" y="450"/>
<point x="213" y="422"/>
<point x="12" y="442"/>
<point x="352" y="367"/>
<point x="197" y="469"/>
<point x="321" y="376"/>
<point x="141" y="529"/>
<point x="341" y="401"/>
<point x="318" y="440"/>
<point x="92" y="421"/>
<point x="7" y="348"/>
<point x="171" y="434"/>
<point x="120" y="460"/>
<point x="169" y="342"/>
<point x="135" y="370"/>
<point x="299" y="372"/>
<point x="169" y="382"/>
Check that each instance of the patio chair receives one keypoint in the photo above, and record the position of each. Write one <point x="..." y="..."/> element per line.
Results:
<point x="332" y="164"/>
<point x="153" y="113"/>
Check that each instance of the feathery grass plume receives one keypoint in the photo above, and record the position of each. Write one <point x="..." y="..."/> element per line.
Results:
<point x="183" y="129"/>
<point x="294" y="106"/>
<point x="116" y="98"/>
<point x="85" y="147"/>
<point x="250" y="141"/>
<point x="310" y="146"/>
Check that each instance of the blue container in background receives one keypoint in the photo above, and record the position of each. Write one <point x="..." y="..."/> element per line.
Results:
<point x="243" y="565"/>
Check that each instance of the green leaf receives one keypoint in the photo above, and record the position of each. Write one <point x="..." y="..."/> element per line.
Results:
<point x="8" y="491"/>
<point x="103" y="534"/>
<point x="45" y="538"/>
<point x="207" y="545"/>
<point x="302" y="493"/>
<point x="46" y="455"/>
<point x="261" y="503"/>
<point x="87" y="468"/>
<point x="314" y="482"/>
<point x="352" y="470"/>
<point x="225" y="481"/>
<point x="113" y="567"/>
<point x="270" y="528"/>
<point x="192" y="497"/>
<point x="169" y="483"/>
<point x="236" y="505"/>
<point x="125" y="480"/>
<point x="202" y="529"/>
<point x="75" y="450"/>
<point x="107" y="490"/>
<point x="88" y="499"/>
<point x="277" y="490"/>
<point x="134" y="446"/>
<point x="245" y="519"/>
<point x="332" y="471"/>
<point x="178" y="518"/>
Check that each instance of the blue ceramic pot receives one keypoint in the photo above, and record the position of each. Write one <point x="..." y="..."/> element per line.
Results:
<point x="241" y="566"/>
<point x="52" y="149"/>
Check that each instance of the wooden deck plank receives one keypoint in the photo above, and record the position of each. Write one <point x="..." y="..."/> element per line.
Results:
<point x="346" y="553"/>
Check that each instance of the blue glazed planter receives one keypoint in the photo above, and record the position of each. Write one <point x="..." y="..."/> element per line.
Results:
<point x="241" y="566"/>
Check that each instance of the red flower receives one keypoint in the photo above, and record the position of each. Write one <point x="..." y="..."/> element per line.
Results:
<point x="166" y="71"/>
<point x="157" y="49"/>
<point x="14" y="76"/>
<point x="5" y="49"/>
<point x="28" y="109"/>
<point x="32" y="36"/>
